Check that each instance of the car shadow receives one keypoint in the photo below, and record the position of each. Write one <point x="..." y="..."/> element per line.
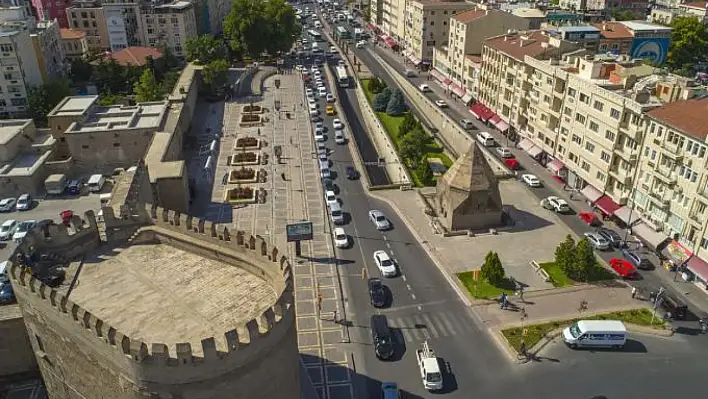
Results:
<point x="631" y="346"/>
<point x="449" y="378"/>
<point x="400" y="344"/>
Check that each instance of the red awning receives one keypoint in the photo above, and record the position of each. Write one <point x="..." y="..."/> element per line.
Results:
<point x="555" y="165"/>
<point x="458" y="90"/>
<point x="384" y="37"/>
<point x="699" y="267"/>
<point x="437" y="75"/>
<point x="476" y="110"/>
<point x="486" y="113"/>
<point x="494" y="119"/>
<point x="391" y="43"/>
<point x="415" y="60"/>
<point x="607" y="205"/>
<point x="373" y="27"/>
<point x="502" y="126"/>
<point x="446" y="82"/>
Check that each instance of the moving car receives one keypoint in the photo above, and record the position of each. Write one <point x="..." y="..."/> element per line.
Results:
<point x="330" y="197"/>
<point x="597" y="241"/>
<point x="339" y="137"/>
<point x="613" y="237"/>
<point x="341" y="239"/>
<point x="590" y="218"/>
<point x="424" y="88"/>
<point x="7" y="294"/>
<point x="623" y="268"/>
<point x="512" y="164"/>
<point x="360" y="44"/>
<point x="531" y="180"/>
<point x="337" y="124"/>
<point x="330" y="110"/>
<point x="330" y="98"/>
<point x="381" y="337"/>
<point x="610" y="333"/>
<point x="24" y="203"/>
<point x="385" y="264"/>
<point x="7" y="229"/>
<point x="556" y="204"/>
<point x="377" y="292"/>
<point x="441" y="103"/>
<point x="409" y="73"/>
<point x="636" y="259"/>
<point x="7" y="204"/>
<point x="21" y="230"/>
<point x="379" y="220"/>
<point x="467" y="124"/>
<point x="352" y="173"/>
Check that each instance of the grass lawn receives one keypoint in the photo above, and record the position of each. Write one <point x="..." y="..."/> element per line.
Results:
<point x="482" y="288"/>
<point x="559" y="279"/>
<point x="535" y="332"/>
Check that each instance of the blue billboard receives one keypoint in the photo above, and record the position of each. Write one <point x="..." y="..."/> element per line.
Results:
<point x="653" y="49"/>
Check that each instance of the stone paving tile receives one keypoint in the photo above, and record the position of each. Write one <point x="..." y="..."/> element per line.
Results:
<point x="325" y="281"/>
<point x="338" y="373"/>
<point x="336" y="355"/>
<point x="307" y="339"/>
<point x="328" y="293"/>
<point x="303" y="282"/>
<point x="332" y="337"/>
<point x="307" y="323"/>
<point x="315" y="374"/>
<point x="340" y="391"/>
<point x="305" y="307"/>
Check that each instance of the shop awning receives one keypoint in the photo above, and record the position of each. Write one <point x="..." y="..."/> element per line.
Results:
<point x="502" y="126"/>
<point x="676" y="252"/>
<point x="384" y="37"/>
<point x="437" y="75"/>
<point x="607" y="205"/>
<point x="494" y="119"/>
<point x="534" y="151"/>
<point x="467" y="98"/>
<point x="699" y="267"/>
<point x="391" y="43"/>
<point x="555" y="165"/>
<point x="476" y="110"/>
<point x="653" y="239"/>
<point x="458" y="90"/>
<point x="416" y="61"/>
<point x="525" y="144"/>
<point x="628" y="215"/>
<point x="591" y="193"/>
<point x="373" y="27"/>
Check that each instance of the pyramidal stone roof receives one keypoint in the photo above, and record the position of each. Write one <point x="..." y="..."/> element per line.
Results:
<point x="470" y="172"/>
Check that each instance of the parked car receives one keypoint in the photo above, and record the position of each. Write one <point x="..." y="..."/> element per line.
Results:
<point x="7" y="294"/>
<point x="330" y="98"/>
<point x="8" y="229"/>
<point x="512" y="164"/>
<point x="639" y="261"/>
<point x="590" y="218"/>
<point x="379" y="220"/>
<point x="531" y="180"/>
<point x="385" y="264"/>
<point x="466" y="124"/>
<point x="73" y="187"/>
<point x="424" y="88"/>
<point x="377" y="292"/>
<point x="7" y="204"/>
<point x="504" y="152"/>
<point x="556" y="204"/>
<point x="341" y="239"/>
<point x="22" y="230"/>
<point x="329" y="185"/>
<point x="24" y="203"/>
<point x="330" y="197"/>
<point x="623" y="268"/>
<point x="597" y="241"/>
<point x="612" y="236"/>
<point x="441" y="103"/>
<point x="337" y="124"/>
<point x="352" y="173"/>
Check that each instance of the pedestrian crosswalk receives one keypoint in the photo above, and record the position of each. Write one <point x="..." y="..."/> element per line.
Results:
<point x="430" y="325"/>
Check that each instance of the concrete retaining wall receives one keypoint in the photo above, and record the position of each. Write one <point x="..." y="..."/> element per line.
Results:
<point x="454" y="138"/>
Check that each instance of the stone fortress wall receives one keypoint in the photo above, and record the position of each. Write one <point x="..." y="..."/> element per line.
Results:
<point x="81" y="356"/>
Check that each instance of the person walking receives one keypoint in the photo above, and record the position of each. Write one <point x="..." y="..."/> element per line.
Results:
<point x="634" y="292"/>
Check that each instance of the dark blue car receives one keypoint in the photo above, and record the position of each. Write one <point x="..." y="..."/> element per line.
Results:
<point x="7" y="295"/>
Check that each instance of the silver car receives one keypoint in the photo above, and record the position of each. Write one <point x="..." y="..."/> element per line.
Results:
<point x="7" y="204"/>
<point x="597" y="241"/>
<point x="379" y="220"/>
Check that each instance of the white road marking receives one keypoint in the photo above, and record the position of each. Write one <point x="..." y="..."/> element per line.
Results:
<point x="413" y="296"/>
<point x="403" y="276"/>
<point x="409" y="287"/>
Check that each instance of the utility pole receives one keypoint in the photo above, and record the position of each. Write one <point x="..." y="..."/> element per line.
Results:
<point x="656" y="304"/>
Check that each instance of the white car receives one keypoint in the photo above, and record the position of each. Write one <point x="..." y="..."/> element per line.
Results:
<point x="504" y="152"/>
<point x="330" y="197"/>
<point x="312" y="102"/>
<point x="337" y="124"/>
<point x="440" y="103"/>
<point x="309" y="93"/>
<point x="339" y="137"/>
<point x="332" y="49"/>
<point x="314" y="112"/>
<point x="597" y="241"/>
<point x="24" y="203"/>
<point x="319" y="136"/>
<point x="7" y="204"/>
<point x="385" y="264"/>
<point x="22" y="230"/>
<point x="8" y="229"/>
<point x="318" y="75"/>
<point x="379" y="220"/>
<point x="314" y="69"/>
<point x="341" y="63"/>
<point x="555" y="204"/>
<point x="360" y="44"/>
<point x="341" y="239"/>
<point x="322" y="156"/>
<point x="299" y="68"/>
<point x="531" y="180"/>
<point x="319" y="125"/>
<point x="424" y="88"/>
<point x="330" y="98"/>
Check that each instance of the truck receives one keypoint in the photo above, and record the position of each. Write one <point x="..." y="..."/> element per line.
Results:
<point x="429" y="368"/>
<point x="55" y="184"/>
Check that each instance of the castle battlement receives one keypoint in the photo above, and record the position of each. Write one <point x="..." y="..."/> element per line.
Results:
<point x="207" y="239"/>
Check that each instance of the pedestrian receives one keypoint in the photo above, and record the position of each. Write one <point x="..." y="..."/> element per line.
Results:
<point x="522" y="350"/>
<point x="521" y="294"/>
<point x="634" y="292"/>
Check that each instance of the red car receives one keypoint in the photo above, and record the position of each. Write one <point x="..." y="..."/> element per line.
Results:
<point x="512" y="164"/>
<point x="590" y="218"/>
<point x="66" y="216"/>
<point x="622" y="267"/>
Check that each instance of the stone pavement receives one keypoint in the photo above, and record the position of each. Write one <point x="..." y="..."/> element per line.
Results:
<point x="297" y="197"/>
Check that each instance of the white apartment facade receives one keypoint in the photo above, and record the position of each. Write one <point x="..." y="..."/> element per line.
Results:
<point x="427" y="25"/>
<point x="389" y="16"/>
<point x="19" y="70"/>
<point x="47" y="47"/>
<point x="170" y="24"/>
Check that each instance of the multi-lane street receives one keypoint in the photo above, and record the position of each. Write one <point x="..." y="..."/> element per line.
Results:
<point x="424" y="306"/>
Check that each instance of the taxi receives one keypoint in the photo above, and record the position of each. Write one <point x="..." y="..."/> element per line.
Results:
<point x="330" y="110"/>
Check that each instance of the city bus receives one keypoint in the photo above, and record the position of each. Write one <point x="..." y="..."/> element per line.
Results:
<point x="343" y="33"/>
<point x="342" y="77"/>
<point x="315" y="35"/>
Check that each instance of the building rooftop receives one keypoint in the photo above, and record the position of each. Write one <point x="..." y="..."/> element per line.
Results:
<point x="471" y="15"/>
<point x="108" y="118"/>
<point x="73" y="106"/>
<point x="135" y="56"/>
<point x="613" y="30"/>
<point x="517" y="45"/>
<point x="641" y="26"/>
<point x="582" y="28"/>
<point x="526" y="12"/>
<point x="476" y="58"/>
<point x="176" y="5"/>
<point x="24" y="164"/>
<point x="696" y="4"/>
<point x="688" y="116"/>
<point x="69" y="34"/>
<point x="11" y="128"/>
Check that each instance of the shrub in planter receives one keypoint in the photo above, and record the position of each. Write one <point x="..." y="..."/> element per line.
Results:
<point x="243" y="174"/>
<point x="245" y="157"/>
<point x="247" y="142"/>
<point x="381" y="100"/>
<point x="250" y="118"/>
<point x="240" y="193"/>
<point x="252" y="108"/>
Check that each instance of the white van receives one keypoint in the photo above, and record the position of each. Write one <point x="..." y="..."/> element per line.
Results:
<point x="486" y="139"/>
<point x="324" y="169"/>
<point x="4" y="276"/>
<point x="335" y="212"/>
<point x="95" y="183"/>
<point x="594" y="333"/>
<point x="339" y="137"/>
<point x="322" y="91"/>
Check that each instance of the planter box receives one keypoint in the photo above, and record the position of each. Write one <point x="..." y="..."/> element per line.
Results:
<point x="251" y="200"/>
<point x="243" y="181"/>
<point x="248" y="148"/>
<point x="256" y="162"/>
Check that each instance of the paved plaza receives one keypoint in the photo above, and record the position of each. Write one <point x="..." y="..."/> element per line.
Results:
<point x="297" y="197"/>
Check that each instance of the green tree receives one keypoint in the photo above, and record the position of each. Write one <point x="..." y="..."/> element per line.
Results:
<point x="565" y="253"/>
<point x="110" y="99"/>
<point x="42" y="99"/>
<point x="396" y="104"/>
<point x="147" y="88"/>
<point x="409" y="123"/>
<point x="204" y="49"/>
<point x="585" y="261"/>
<point x="80" y="70"/>
<point x="424" y="173"/>
<point x="412" y="145"/>
<point x="492" y="269"/>
<point x="284" y="27"/>
<point x="254" y="27"/>
<point x="215" y="75"/>
<point x="381" y="100"/>
<point x="626" y="15"/>
<point x="689" y="45"/>
<point x="376" y="85"/>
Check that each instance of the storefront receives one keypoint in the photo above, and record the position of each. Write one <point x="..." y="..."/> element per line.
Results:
<point x="607" y="205"/>
<point x="481" y="112"/>
<point x="628" y="215"/>
<point x="591" y="193"/>
<point x="651" y="238"/>
<point x="676" y="253"/>
<point x="699" y="268"/>
<point x="457" y="90"/>
<point x="467" y="98"/>
<point x="557" y="168"/>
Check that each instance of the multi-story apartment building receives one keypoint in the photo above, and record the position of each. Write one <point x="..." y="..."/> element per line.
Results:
<point x="73" y="43"/>
<point x="427" y="25"/>
<point x="46" y="40"/>
<point x="636" y="39"/>
<point x="609" y="7"/>
<point x="110" y="25"/>
<point x="666" y="16"/>
<point x="88" y="16"/>
<point x="468" y="30"/>
<point x="505" y="77"/>
<point x="49" y="10"/>
<point x="19" y="69"/>
<point x="575" y="5"/>
<point x="170" y="24"/>
<point x="390" y="17"/>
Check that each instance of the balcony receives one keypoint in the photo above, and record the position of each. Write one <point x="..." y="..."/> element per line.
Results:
<point x="670" y="147"/>
<point x="666" y="175"/>
<point x="621" y="175"/>
<point x="627" y="153"/>
<point x="660" y="198"/>
<point x="698" y="218"/>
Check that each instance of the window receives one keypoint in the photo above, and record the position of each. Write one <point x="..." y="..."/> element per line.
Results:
<point x="573" y="157"/>
<point x="432" y="23"/>
<point x="580" y="118"/>
<point x="593" y="126"/>
<point x="6" y="48"/>
<point x="610" y="135"/>
<point x="8" y="76"/>
<point x="85" y="146"/>
<point x="576" y="139"/>
<point x="598" y="105"/>
<point x="585" y="166"/>
<point x="584" y="98"/>
<point x="116" y="144"/>
<point x="605" y="156"/>
<point x="614" y="114"/>
<point x="571" y="92"/>
<point x="567" y="111"/>
<point x="589" y="147"/>
<point x="600" y="176"/>
<point x="18" y="102"/>
<point x="3" y="103"/>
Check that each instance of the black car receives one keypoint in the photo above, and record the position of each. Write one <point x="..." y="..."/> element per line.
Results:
<point x="639" y="261"/>
<point x="352" y="173"/>
<point x="329" y="185"/>
<point x="612" y="236"/>
<point x="381" y="337"/>
<point x="377" y="292"/>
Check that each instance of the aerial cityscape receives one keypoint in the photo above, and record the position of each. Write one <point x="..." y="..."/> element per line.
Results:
<point x="325" y="199"/>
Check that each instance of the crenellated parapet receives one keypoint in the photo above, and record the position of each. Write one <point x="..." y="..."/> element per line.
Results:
<point x="249" y="252"/>
<point x="68" y="241"/>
